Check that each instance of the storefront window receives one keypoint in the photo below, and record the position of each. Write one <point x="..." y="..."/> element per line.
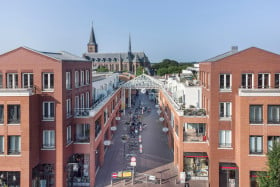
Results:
<point x="196" y="164"/>
<point x="78" y="170"/>
<point x="10" y="178"/>
<point x="228" y="175"/>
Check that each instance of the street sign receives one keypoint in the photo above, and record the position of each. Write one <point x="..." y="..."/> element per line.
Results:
<point x="133" y="159"/>
<point x="152" y="177"/>
<point x="140" y="148"/>
<point x="133" y="164"/>
<point x="114" y="175"/>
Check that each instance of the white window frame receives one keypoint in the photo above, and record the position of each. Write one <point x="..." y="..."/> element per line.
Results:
<point x="30" y="83"/>
<point x="50" y="83"/>
<point x="68" y="134"/>
<point x="1" y="80"/>
<point x="247" y="80"/>
<point x="19" y="144"/>
<point x="81" y="131"/>
<point x="256" y="114"/>
<point x="87" y="99"/>
<point x="77" y="79"/>
<point x="275" y="139"/>
<point x="273" y="114"/>
<point x="48" y="139"/>
<point x="68" y="80"/>
<point x="2" y="144"/>
<point x="254" y="143"/>
<point x="68" y="107"/>
<point x="82" y="101"/>
<point x="87" y="77"/>
<point x="224" y="84"/>
<point x="277" y="79"/>
<point x="82" y="79"/>
<point x="225" y="139"/>
<point x="12" y="80"/>
<point x="49" y="104"/>
<point x="226" y="110"/>
<point x="263" y="80"/>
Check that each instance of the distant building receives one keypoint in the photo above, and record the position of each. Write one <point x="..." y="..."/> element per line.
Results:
<point x="116" y="62"/>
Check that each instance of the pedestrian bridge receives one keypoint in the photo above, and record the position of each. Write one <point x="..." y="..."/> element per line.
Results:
<point x="143" y="82"/>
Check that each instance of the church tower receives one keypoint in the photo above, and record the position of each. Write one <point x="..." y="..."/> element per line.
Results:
<point x="92" y="45"/>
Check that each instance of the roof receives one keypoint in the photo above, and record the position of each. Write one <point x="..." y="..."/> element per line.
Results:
<point x="63" y="55"/>
<point x="116" y="56"/>
<point x="224" y="55"/>
<point x="92" y="37"/>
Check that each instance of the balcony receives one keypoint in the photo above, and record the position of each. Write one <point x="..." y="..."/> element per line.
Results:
<point x="193" y="136"/>
<point x="195" y="112"/>
<point x="194" y="132"/>
<point x="82" y="112"/>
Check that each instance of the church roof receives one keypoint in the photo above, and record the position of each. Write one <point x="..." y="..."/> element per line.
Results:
<point x="115" y="57"/>
<point x="92" y="37"/>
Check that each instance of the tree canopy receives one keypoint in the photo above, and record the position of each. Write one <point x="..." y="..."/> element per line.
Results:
<point x="102" y="69"/>
<point x="168" y="66"/>
<point x="272" y="176"/>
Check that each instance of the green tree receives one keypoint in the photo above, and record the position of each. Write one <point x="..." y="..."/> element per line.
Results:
<point x="162" y="71"/>
<point x="271" y="178"/>
<point x="139" y="70"/>
<point x="102" y="69"/>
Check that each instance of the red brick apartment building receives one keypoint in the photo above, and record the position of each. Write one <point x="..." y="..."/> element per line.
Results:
<point x="227" y="141"/>
<point x="49" y="133"/>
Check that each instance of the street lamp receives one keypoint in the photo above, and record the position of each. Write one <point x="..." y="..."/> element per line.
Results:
<point x="161" y="119"/>
<point x="124" y="139"/>
<point x="159" y="112"/>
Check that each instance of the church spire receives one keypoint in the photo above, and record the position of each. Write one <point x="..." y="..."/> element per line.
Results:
<point x="129" y="44"/>
<point x="92" y="45"/>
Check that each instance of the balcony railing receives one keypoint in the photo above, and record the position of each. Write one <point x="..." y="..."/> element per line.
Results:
<point x="84" y="139"/>
<point x="195" y="112"/>
<point x="192" y="136"/>
<point x="81" y="112"/>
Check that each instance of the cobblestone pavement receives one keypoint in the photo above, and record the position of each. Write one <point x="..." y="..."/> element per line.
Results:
<point x="156" y="159"/>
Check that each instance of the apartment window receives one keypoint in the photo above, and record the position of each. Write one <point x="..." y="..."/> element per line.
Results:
<point x="82" y="101"/>
<point x="82" y="78"/>
<point x="1" y="144"/>
<point x="225" y="110"/>
<point x="87" y="77"/>
<point x="76" y="79"/>
<point x="68" y="80"/>
<point x="105" y="115"/>
<point x="256" y="114"/>
<point x="277" y="82"/>
<point x="97" y="127"/>
<point x="48" y="139"/>
<point x="87" y="99"/>
<point x="273" y="114"/>
<point x="247" y="80"/>
<point x="13" y="114"/>
<point x="27" y="80"/>
<point x="1" y="80"/>
<point x="272" y="140"/>
<point x="12" y="80"/>
<point x="256" y="144"/>
<point x="14" y="145"/>
<point x="263" y="80"/>
<point x="225" y="138"/>
<point x="225" y="81"/>
<point x="48" y="81"/>
<point x="68" y="134"/>
<point x="82" y="132"/>
<point x="68" y="107"/>
<point x="48" y="110"/>
<point x="1" y="113"/>
<point x="77" y="101"/>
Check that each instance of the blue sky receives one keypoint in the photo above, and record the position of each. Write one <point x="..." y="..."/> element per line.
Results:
<point x="183" y="30"/>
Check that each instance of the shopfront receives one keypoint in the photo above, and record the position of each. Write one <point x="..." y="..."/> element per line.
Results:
<point x="10" y="178"/>
<point x="196" y="165"/>
<point x="78" y="170"/>
<point x="228" y="175"/>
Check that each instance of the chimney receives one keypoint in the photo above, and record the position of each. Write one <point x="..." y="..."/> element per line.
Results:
<point x="234" y="48"/>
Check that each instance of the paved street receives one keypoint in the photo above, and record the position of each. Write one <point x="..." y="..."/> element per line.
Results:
<point x="156" y="159"/>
